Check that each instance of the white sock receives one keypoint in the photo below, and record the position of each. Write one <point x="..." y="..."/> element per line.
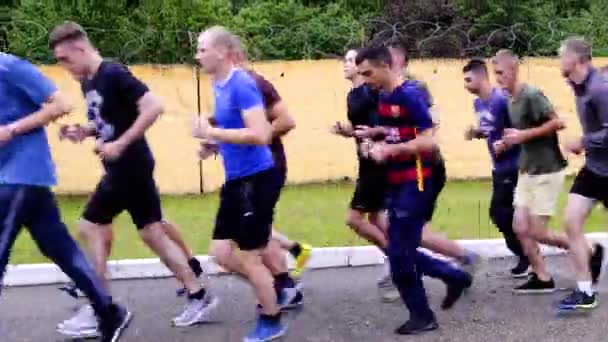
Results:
<point x="585" y="286"/>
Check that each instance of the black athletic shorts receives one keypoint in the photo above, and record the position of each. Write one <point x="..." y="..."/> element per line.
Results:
<point x="438" y="179"/>
<point x="246" y="209"/>
<point x="591" y="185"/>
<point x="138" y="195"/>
<point x="370" y="190"/>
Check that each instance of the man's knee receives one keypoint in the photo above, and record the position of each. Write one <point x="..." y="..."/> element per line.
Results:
<point x="222" y="252"/>
<point x="152" y="233"/>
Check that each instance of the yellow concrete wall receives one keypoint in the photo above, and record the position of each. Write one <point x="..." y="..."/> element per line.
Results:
<point x="315" y="93"/>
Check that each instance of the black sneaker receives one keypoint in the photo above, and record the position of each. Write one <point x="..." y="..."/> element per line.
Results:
<point x="417" y="326"/>
<point x="578" y="300"/>
<point x="114" y="323"/>
<point x="535" y="286"/>
<point x="595" y="262"/>
<point x="296" y="302"/>
<point x="455" y="291"/>
<point x="522" y="269"/>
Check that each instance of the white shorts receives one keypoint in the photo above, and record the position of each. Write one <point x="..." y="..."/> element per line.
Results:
<point x="539" y="193"/>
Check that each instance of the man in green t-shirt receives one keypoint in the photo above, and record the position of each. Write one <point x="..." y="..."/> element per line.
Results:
<point x="541" y="166"/>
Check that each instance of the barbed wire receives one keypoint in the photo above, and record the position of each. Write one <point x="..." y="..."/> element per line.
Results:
<point x="425" y="39"/>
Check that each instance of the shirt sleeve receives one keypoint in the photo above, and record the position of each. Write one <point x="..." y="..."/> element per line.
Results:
<point x="127" y="84"/>
<point x="247" y="95"/>
<point x="269" y="92"/>
<point x="417" y="110"/>
<point x="28" y="79"/>
<point x="599" y="100"/>
<point x="540" y="106"/>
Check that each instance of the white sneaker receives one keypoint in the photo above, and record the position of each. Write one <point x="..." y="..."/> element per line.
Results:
<point x="196" y="311"/>
<point x="386" y="281"/>
<point x="83" y="325"/>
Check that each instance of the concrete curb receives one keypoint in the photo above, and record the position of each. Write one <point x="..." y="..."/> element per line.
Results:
<point x="40" y="274"/>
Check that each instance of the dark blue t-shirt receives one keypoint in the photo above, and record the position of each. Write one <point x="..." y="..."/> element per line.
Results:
<point x="111" y="96"/>
<point x="493" y="117"/>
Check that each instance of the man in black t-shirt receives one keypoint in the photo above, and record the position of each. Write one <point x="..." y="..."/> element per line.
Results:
<point x="120" y="110"/>
<point x="367" y="215"/>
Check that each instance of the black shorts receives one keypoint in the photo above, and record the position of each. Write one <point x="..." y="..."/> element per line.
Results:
<point x="438" y="179"/>
<point x="246" y="209"/>
<point x="370" y="192"/>
<point x="137" y="195"/>
<point x="591" y="185"/>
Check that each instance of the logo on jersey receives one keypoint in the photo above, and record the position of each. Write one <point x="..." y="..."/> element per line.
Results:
<point x="105" y="131"/>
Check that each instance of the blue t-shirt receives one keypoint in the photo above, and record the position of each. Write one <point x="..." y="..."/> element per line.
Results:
<point x="232" y="97"/>
<point x="26" y="159"/>
<point x="493" y="116"/>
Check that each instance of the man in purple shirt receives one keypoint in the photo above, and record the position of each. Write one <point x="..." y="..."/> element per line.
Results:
<point x="491" y="108"/>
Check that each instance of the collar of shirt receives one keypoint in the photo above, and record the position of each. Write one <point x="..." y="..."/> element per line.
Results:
<point x="222" y="83"/>
<point x="581" y="89"/>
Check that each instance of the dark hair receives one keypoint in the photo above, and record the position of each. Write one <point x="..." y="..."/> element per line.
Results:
<point x="476" y="65"/>
<point x="401" y="48"/>
<point x="375" y="55"/>
<point x="68" y="31"/>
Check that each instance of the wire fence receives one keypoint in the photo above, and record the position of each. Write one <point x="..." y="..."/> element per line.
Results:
<point x="424" y="39"/>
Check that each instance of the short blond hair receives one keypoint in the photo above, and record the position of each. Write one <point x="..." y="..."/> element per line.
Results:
<point x="66" y="32"/>
<point x="221" y="37"/>
<point x="506" y="55"/>
<point x="577" y="45"/>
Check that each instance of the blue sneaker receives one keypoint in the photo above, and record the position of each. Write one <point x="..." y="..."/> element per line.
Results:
<point x="266" y="330"/>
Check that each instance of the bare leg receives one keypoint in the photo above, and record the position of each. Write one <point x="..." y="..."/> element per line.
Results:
<point x="439" y="243"/>
<point x="374" y="234"/>
<point x="577" y="211"/>
<point x="522" y="224"/>
<point x="174" y="234"/>
<point x="98" y="240"/>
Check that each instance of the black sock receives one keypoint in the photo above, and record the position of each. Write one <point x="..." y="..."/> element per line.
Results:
<point x="272" y="318"/>
<point x="295" y="250"/>
<point x="283" y="280"/>
<point x="198" y="295"/>
<point x="195" y="265"/>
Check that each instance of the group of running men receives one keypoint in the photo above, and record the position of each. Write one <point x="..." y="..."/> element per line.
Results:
<point x="401" y="173"/>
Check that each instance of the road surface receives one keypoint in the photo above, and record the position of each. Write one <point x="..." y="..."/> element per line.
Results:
<point x="342" y="305"/>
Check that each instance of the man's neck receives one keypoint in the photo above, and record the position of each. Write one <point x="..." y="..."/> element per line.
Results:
<point x="222" y="73"/>
<point x="516" y="89"/>
<point x="357" y="81"/>
<point x="392" y="83"/>
<point x="485" y="91"/>
<point x="579" y="76"/>
<point x="94" y="65"/>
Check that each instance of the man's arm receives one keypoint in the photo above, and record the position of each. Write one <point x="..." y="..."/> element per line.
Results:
<point x="150" y="108"/>
<point x="54" y="108"/>
<point x="257" y="131"/>
<point x="424" y="142"/>
<point x="282" y="122"/>
<point x="551" y="126"/>
<point x="599" y="139"/>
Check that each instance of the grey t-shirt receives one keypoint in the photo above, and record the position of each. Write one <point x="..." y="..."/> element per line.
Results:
<point x="592" y="109"/>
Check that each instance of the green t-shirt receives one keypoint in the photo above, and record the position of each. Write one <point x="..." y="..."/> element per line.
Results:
<point x="541" y="155"/>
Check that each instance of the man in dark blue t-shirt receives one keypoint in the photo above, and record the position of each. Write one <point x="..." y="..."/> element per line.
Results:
<point x="120" y="110"/>
<point x="408" y="150"/>
<point x="492" y="109"/>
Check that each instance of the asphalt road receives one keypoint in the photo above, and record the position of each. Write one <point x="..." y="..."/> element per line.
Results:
<point x="341" y="305"/>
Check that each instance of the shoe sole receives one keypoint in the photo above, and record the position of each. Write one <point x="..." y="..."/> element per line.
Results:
<point x="124" y="325"/>
<point x="202" y="317"/>
<point x="421" y="331"/>
<point x="272" y="338"/>
<point x="87" y="335"/>
<point x="534" y="292"/>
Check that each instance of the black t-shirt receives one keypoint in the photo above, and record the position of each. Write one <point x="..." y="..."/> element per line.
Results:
<point x="362" y="106"/>
<point x="111" y="96"/>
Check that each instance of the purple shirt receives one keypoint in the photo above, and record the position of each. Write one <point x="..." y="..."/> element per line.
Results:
<point x="493" y="117"/>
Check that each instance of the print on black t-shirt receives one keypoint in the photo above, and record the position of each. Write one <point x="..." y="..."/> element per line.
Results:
<point x="111" y="96"/>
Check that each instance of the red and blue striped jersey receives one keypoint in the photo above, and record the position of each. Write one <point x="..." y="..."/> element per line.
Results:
<point x="404" y="114"/>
